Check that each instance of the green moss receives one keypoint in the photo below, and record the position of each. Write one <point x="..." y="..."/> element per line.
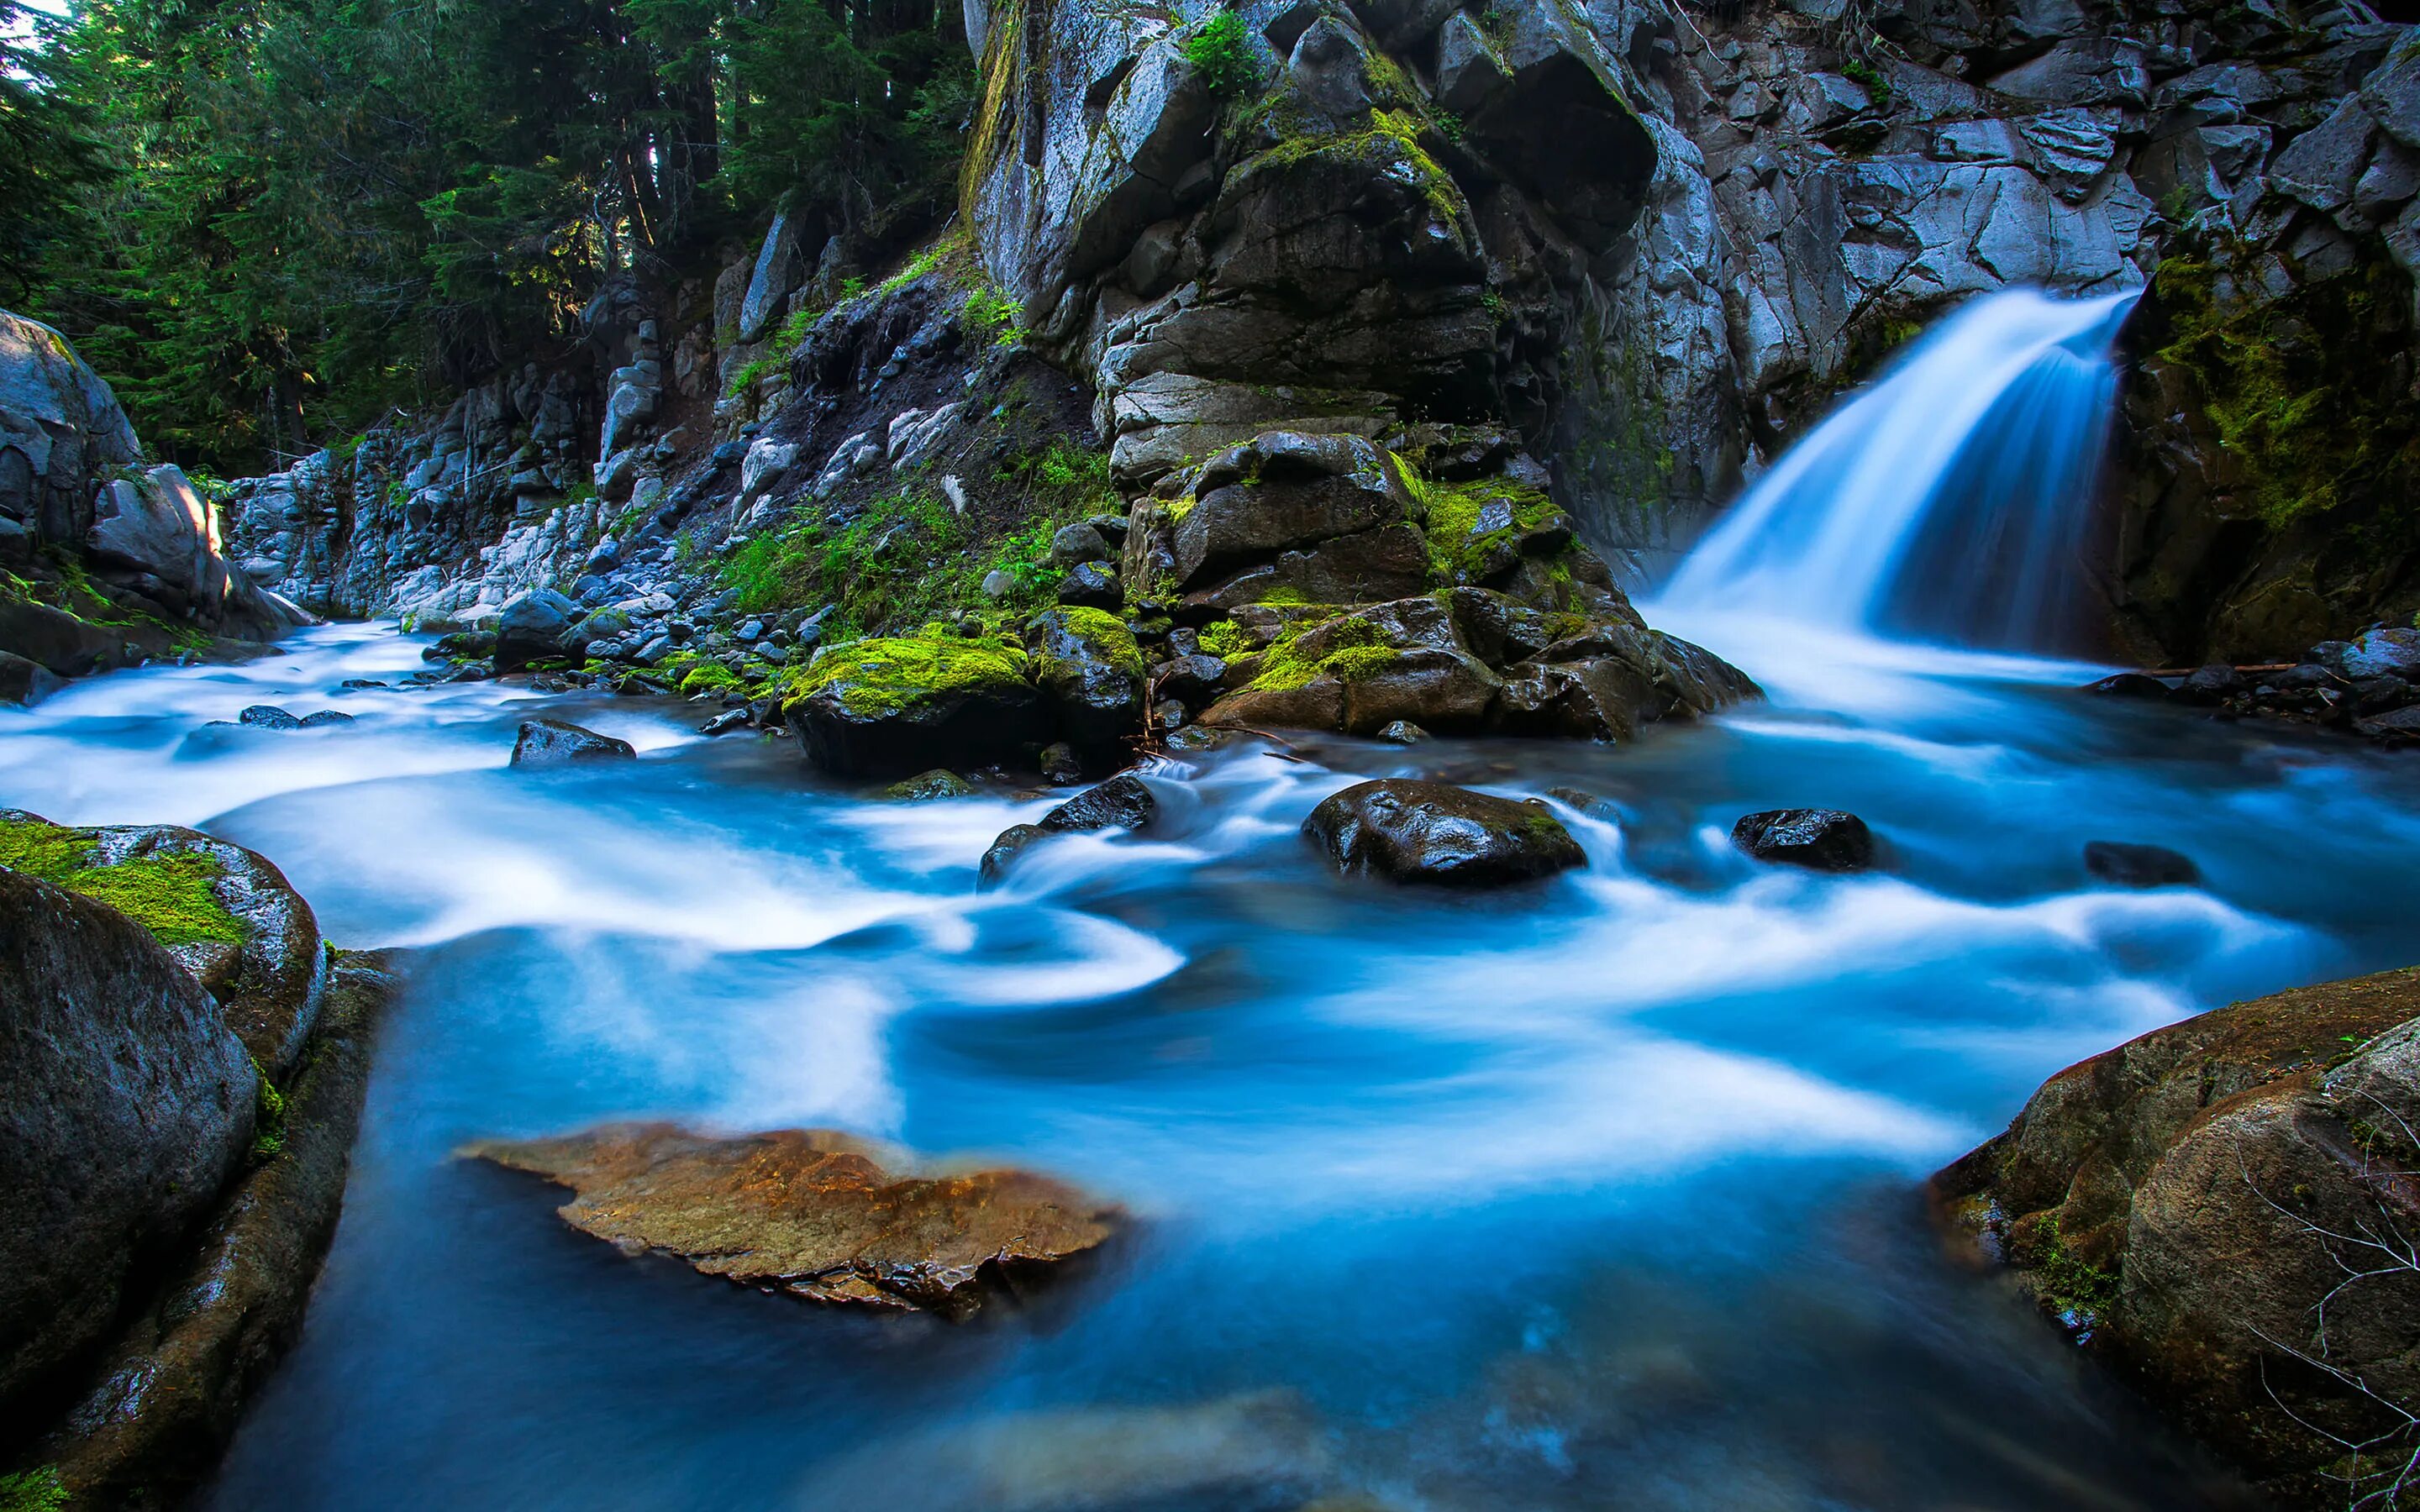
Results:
<point x="710" y="677"/>
<point x="2083" y="1293"/>
<point x="267" y="1115"/>
<point x="2290" y="385"/>
<point x="1454" y="510"/>
<point x="885" y="676"/>
<point x="1283" y="597"/>
<point x="171" y="895"/>
<point x="1392" y="134"/>
<point x="1221" y="54"/>
<point x="1877" y="87"/>
<point x="1351" y="650"/>
<point x="33" y="1490"/>
<point x="1226" y="639"/>
<point x="1108" y="635"/>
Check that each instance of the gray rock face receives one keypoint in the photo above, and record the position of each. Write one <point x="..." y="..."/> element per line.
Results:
<point x="61" y="430"/>
<point x="1409" y="831"/>
<point x="535" y="627"/>
<point x="127" y="1104"/>
<point x="557" y="742"/>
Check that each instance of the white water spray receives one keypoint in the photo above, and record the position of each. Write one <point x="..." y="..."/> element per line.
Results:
<point x="1950" y="502"/>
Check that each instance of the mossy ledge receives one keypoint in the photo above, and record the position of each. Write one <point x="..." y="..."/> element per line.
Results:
<point x="173" y="896"/>
<point x="887" y="675"/>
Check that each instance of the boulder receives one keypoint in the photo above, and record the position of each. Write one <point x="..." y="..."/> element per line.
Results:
<point x="1091" y="585"/>
<point x="125" y="1103"/>
<point x="25" y="683"/>
<point x="1820" y="840"/>
<point x="2384" y="653"/>
<point x="2222" y="1211"/>
<point x="1123" y="802"/>
<point x="2131" y="686"/>
<point x="1413" y="831"/>
<point x="226" y="914"/>
<point x="553" y="741"/>
<point x="816" y="1214"/>
<point x="2139" y="866"/>
<point x="2210" y="686"/>
<point x="1284" y="491"/>
<point x="267" y="716"/>
<point x="535" y="627"/>
<point x="887" y="707"/>
<point x="1087" y="664"/>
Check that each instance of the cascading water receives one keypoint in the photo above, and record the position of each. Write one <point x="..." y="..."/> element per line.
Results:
<point x="1949" y="502"/>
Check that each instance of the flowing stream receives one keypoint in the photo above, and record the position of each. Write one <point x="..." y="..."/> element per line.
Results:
<point x="1599" y="1195"/>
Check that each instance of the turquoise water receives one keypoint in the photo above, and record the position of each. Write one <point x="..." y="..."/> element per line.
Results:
<point x="1596" y="1195"/>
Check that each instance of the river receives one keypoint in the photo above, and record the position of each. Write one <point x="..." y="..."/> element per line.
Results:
<point x="1597" y="1194"/>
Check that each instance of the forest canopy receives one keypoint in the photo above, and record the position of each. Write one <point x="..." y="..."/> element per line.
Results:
<point x="269" y="221"/>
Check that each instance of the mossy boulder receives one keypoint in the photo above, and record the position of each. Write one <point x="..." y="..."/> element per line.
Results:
<point x="2223" y="1210"/>
<point x="1087" y="666"/>
<point x="125" y="1103"/>
<point x="227" y="915"/>
<point x="1431" y="832"/>
<point x="888" y="707"/>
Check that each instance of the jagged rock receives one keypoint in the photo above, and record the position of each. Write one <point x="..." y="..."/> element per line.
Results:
<point x="125" y="1103"/>
<point x="780" y="266"/>
<point x="883" y="708"/>
<point x="535" y="627"/>
<point x="1820" y="840"/>
<point x="816" y="1214"/>
<point x="1412" y="831"/>
<point x="1087" y="665"/>
<point x="2188" y="1201"/>
<point x="2139" y="866"/>
<point x="554" y="741"/>
<point x="1284" y="491"/>
<point x="1123" y="802"/>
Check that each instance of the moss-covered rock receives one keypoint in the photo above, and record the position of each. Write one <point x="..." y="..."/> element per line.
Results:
<point x="1090" y="669"/>
<point x="2223" y="1210"/>
<point x="890" y="706"/>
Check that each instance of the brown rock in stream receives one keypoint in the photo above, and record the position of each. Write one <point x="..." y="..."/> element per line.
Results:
<point x="814" y="1214"/>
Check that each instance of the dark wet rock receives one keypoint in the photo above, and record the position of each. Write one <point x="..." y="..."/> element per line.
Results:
<point x="325" y="718"/>
<point x="1090" y="669"/>
<point x="1193" y="680"/>
<point x="1402" y="733"/>
<point x="2139" y="866"/>
<point x="2394" y="653"/>
<point x="535" y="627"/>
<point x="924" y="787"/>
<point x="726" y="722"/>
<point x="2210" y="686"/>
<point x="1123" y="802"/>
<point x="24" y="682"/>
<point x="357" y="685"/>
<point x="267" y="716"/>
<point x="1284" y="491"/>
<point x="2131" y="686"/>
<point x="1588" y="803"/>
<point x="1820" y="840"/>
<point x="1091" y="585"/>
<point x="1061" y="766"/>
<point x="2399" y="727"/>
<point x="888" y="707"/>
<point x="816" y="1214"/>
<point x="1413" y="831"/>
<point x="125" y="1103"/>
<point x="174" y="1380"/>
<point x="2187" y="1201"/>
<point x="552" y="742"/>
<point x="461" y="645"/>
<point x="1077" y="543"/>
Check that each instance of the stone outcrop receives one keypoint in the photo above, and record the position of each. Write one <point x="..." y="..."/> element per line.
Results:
<point x="816" y="1214"/>
<point x="185" y="1061"/>
<point x="2225" y="1211"/>
<point x="110" y="561"/>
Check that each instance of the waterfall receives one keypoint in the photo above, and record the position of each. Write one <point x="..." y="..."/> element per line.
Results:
<point x="1947" y="503"/>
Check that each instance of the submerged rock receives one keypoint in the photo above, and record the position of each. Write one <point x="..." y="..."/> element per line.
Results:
<point x="2131" y="686"/>
<point x="2188" y="1201"/>
<point x="1415" y="832"/>
<point x="125" y="1100"/>
<point x="816" y="1214"/>
<point x="1820" y="840"/>
<point x="1123" y="802"/>
<point x="940" y="782"/>
<point x="267" y="716"/>
<point x="2139" y="866"/>
<point x="553" y="742"/>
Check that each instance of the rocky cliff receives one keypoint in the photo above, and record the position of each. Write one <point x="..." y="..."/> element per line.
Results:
<point x="1618" y="253"/>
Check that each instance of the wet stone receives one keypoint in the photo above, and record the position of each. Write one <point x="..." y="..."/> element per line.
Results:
<point x="1820" y="840"/>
